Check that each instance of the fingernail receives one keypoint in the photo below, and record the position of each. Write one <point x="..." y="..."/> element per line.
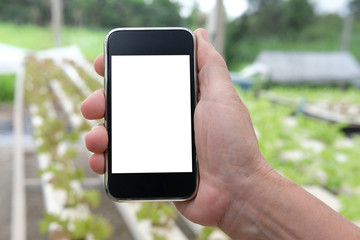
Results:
<point x="205" y="36"/>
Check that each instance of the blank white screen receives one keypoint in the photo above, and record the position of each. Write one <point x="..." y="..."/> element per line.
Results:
<point x="151" y="127"/>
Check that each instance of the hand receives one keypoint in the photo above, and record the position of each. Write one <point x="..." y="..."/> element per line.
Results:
<point x="225" y="140"/>
<point x="238" y="190"/>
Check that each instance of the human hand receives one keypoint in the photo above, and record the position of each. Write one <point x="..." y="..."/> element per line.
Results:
<point x="238" y="190"/>
<point x="226" y="144"/>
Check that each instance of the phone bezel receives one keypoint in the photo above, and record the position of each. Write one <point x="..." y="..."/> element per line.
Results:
<point x="150" y="186"/>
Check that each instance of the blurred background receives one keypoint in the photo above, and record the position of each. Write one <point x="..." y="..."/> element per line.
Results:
<point x="295" y="63"/>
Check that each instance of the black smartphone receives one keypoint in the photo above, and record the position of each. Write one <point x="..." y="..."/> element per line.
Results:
<point x="150" y="87"/>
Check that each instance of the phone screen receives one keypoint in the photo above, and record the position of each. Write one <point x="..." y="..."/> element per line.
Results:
<point x="151" y="112"/>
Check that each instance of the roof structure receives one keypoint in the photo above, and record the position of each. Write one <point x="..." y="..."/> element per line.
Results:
<point x="309" y="67"/>
<point x="11" y="58"/>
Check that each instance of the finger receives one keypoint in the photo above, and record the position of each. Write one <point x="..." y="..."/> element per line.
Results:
<point x="97" y="139"/>
<point x="213" y="75"/>
<point x="93" y="107"/>
<point x="97" y="163"/>
<point x="99" y="64"/>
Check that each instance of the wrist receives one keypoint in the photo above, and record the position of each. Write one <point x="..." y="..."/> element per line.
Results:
<point x="248" y="194"/>
<point x="269" y="206"/>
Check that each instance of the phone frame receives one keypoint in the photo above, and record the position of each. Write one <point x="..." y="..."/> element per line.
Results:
<point x="163" y="186"/>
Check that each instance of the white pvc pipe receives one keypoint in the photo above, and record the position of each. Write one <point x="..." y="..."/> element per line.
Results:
<point x="18" y="208"/>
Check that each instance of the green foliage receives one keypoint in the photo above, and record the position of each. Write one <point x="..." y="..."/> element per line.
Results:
<point x="62" y="178"/>
<point x="279" y="17"/>
<point x="49" y="219"/>
<point x="54" y="139"/>
<point x="93" y="226"/>
<point x="92" y="83"/>
<point x="24" y="11"/>
<point x="136" y="13"/>
<point x="205" y="233"/>
<point x="32" y="37"/>
<point x="7" y="86"/>
<point x="334" y="167"/>
<point x="160" y="213"/>
<point x="92" y="197"/>
<point x="354" y="49"/>
<point x="284" y="26"/>
<point x="270" y="18"/>
<point x="196" y="19"/>
<point x="50" y="139"/>
<point x="166" y="12"/>
<point x="96" y="227"/>
<point x="351" y="210"/>
<point x="312" y="94"/>
<point x="73" y="137"/>
<point x="95" y="13"/>
<point x="89" y="40"/>
<point x="27" y="36"/>
<point x="85" y="127"/>
<point x="300" y="13"/>
<point x="158" y="237"/>
<point x="355" y="7"/>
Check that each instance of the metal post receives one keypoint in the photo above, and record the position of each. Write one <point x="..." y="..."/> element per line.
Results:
<point x="347" y="32"/>
<point x="56" y="20"/>
<point x="18" y="208"/>
<point x="216" y="26"/>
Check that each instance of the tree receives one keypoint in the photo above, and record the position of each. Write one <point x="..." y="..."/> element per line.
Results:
<point x="266" y="19"/>
<point x="354" y="12"/>
<point x="278" y="16"/>
<point x="25" y="11"/>
<point x="97" y="13"/>
<point x="300" y="13"/>
<point x="163" y="13"/>
<point x="354" y="7"/>
<point x="77" y="12"/>
<point x="196" y="18"/>
<point x="133" y="13"/>
<point x="258" y="5"/>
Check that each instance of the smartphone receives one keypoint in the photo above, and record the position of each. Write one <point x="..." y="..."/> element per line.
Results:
<point x="150" y="87"/>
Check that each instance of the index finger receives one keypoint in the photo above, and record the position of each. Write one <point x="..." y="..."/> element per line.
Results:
<point x="99" y="64"/>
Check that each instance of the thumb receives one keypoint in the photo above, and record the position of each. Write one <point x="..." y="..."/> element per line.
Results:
<point x="213" y="75"/>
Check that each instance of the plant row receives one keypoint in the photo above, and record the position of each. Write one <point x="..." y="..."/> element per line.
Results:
<point x="55" y="142"/>
<point x="307" y="150"/>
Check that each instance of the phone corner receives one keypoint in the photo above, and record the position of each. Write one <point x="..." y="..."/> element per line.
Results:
<point x="108" y="192"/>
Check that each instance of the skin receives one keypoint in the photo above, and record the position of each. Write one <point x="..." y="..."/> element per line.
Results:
<point x="239" y="192"/>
